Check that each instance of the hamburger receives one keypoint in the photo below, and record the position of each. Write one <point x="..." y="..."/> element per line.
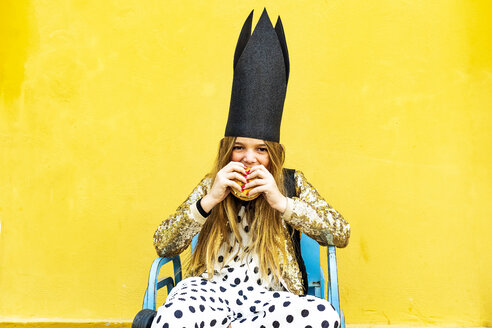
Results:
<point x="242" y="194"/>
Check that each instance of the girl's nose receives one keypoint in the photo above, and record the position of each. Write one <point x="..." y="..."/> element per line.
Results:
<point x="250" y="157"/>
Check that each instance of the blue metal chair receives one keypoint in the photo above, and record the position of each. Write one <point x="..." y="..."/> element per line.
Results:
<point x="310" y="254"/>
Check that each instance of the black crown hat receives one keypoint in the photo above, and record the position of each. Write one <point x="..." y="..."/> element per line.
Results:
<point x="261" y="72"/>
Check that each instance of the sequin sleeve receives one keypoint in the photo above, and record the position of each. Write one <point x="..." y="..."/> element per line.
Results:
<point x="311" y="214"/>
<point x="175" y="233"/>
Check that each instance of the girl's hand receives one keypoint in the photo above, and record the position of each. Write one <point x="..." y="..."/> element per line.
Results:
<point x="223" y="180"/>
<point x="265" y="183"/>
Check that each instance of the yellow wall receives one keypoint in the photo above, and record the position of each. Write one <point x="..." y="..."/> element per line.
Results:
<point x="110" y="112"/>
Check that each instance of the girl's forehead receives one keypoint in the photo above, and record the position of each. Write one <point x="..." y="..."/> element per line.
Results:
<point x="249" y="141"/>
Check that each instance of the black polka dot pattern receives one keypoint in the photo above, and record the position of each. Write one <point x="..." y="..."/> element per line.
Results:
<point x="251" y="306"/>
<point x="239" y="294"/>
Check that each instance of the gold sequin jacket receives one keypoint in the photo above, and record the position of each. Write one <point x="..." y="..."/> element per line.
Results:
<point x="308" y="212"/>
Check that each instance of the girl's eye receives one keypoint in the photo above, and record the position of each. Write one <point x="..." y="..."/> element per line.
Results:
<point x="237" y="147"/>
<point x="262" y="149"/>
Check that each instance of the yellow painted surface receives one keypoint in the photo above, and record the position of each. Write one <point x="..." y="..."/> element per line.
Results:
<point x="111" y="111"/>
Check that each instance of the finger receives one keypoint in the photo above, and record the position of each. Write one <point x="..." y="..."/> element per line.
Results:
<point x="237" y="163"/>
<point x="254" y="168"/>
<point x="248" y="170"/>
<point x="257" y="190"/>
<point x="234" y="185"/>
<point x="236" y="176"/>
<point x="236" y="166"/>
<point x="240" y="169"/>
<point x="229" y="171"/>
<point x="258" y="173"/>
<point x="254" y="183"/>
<point x="259" y="167"/>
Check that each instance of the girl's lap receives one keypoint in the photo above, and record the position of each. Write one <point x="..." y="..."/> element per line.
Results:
<point x="205" y="303"/>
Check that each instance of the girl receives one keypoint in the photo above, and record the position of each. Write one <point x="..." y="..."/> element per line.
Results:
<point x="246" y="270"/>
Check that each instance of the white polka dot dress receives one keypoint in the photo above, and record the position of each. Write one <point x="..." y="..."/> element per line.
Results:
<point x="237" y="296"/>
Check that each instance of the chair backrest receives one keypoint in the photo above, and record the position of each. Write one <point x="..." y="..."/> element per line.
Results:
<point x="311" y="256"/>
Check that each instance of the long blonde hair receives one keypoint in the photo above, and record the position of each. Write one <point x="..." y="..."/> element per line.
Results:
<point x="266" y="224"/>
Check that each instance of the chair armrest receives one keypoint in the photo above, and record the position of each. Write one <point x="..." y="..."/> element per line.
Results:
<point x="333" y="295"/>
<point x="152" y="286"/>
